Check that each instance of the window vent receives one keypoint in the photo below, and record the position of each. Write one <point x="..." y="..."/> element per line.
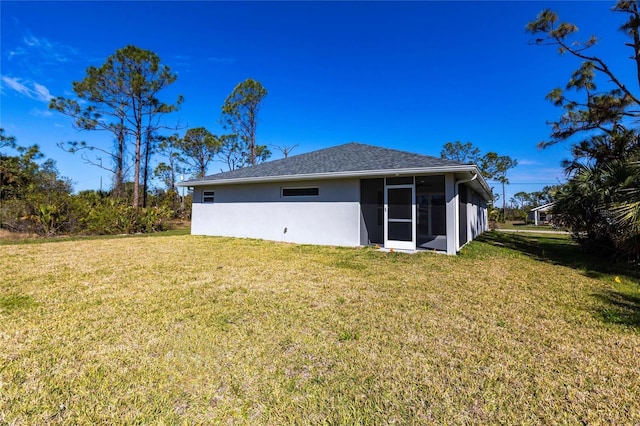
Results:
<point x="208" y="196"/>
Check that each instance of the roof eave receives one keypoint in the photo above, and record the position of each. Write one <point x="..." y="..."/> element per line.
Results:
<point x="329" y="175"/>
<point x="544" y="206"/>
<point x="470" y="168"/>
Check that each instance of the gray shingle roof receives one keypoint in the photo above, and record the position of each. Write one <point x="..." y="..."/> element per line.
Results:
<point x="350" y="157"/>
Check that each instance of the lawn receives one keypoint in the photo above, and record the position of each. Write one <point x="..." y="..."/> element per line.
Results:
<point x="521" y="226"/>
<point x="201" y="330"/>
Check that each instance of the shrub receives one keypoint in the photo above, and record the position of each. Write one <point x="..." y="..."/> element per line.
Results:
<point x="109" y="216"/>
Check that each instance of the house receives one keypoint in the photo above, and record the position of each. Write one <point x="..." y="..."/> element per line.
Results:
<point x="347" y="195"/>
<point x="541" y="215"/>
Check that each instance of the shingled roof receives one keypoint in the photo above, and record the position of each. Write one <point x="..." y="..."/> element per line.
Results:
<point x="351" y="158"/>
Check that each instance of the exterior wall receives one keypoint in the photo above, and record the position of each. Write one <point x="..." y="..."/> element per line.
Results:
<point x="452" y="208"/>
<point x="463" y="215"/>
<point x="339" y="215"/>
<point x="259" y="211"/>
<point x="541" y="215"/>
<point x="471" y="215"/>
<point x="477" y="215"/>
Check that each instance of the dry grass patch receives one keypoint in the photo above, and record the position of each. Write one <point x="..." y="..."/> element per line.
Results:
<point x="191" y="329"/>
<point x="11" y="237"/>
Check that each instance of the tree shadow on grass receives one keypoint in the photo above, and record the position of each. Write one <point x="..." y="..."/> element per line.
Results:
<point x="622" y="308"/>
<point x="558" y="250"/>
<point x="622" y="304"/>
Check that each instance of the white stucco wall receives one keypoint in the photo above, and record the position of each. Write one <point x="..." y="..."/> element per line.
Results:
<point x="472" y="215"/>
<point x="477" y="215"/>
<point x="451" y="208"/>
<point x="259" y="211"/>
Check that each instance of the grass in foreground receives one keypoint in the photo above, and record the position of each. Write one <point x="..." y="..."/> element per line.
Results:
<point x="204" y="330"/>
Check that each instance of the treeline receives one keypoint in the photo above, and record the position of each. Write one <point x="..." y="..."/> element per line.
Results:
<point x="600" y="203"/>
<point x="492" y="166"/>
<point x="122" y="99"/>
<point x="35" y="198"/>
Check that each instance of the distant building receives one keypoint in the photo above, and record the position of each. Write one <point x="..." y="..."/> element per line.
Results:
<point x="542" y="215"/>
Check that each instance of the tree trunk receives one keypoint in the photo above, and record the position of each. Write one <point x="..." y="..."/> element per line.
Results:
<point x="252" y="148"/>
<point x="504" y="204"/>
<point x="145" y="174"/>
<point x="118" y="179"/>
<point x="137" y="119"/>
<point x="136" y="172"/>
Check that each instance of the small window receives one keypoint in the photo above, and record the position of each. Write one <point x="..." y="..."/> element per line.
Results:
<point x="405" y="180"/>
<point x="208" y="196"/>
<point x="300" y="192"/>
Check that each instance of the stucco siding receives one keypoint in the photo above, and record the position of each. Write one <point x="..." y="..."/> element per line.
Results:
<point x="463" y="215"/>
<point x="451" y="208"/>
<point x="344" y="212"/>
<point x="260" y="211"/>
<point x="477" y="213"/>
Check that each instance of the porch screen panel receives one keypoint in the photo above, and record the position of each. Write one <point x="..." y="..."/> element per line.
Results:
<point x="400" y="203"/>
<point x="400" y="231"/>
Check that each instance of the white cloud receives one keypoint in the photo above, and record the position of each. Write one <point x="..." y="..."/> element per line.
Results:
<point x="27" y="88"/>
<point x="15" y="84"/>
<point x="17" y="52"/>
<point x="526" y="162"/>
<point x="33" y="54"/>
<point x="41" y="113"/>
<point x="30" y="41"/>
<point x="48" y="49"/>
<point x="42" y="92"/>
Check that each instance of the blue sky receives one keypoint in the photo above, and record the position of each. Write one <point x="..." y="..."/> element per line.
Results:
<point x="410" y="75"/>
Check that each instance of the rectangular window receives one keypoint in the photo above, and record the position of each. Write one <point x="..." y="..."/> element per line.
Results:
<point x="301" y="192"/>
<point x="208" y="196"/>
<point x="405" y="180"/>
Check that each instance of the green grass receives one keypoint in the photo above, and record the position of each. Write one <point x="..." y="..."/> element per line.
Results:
<point x="12" y="302"/>
<point x="520" y="225"/>
<point x="16" y="238"/>
<point x="199" y="330"/>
